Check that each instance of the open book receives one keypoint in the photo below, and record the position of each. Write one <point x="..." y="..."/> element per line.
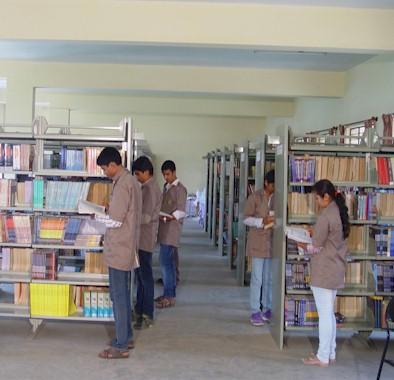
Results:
<point x="86" y="207"/>
<point x="300" y="235"/>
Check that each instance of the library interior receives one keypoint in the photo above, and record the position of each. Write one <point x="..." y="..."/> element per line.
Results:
<point x="257" y="103"/>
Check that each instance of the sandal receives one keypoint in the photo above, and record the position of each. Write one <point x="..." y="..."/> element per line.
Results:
<point x="166" y="302"/>
<point x="113" y="353"/>
<point x="313" y="356"/>
<point x="313" y="360"/>
<point x="158" y="299"/>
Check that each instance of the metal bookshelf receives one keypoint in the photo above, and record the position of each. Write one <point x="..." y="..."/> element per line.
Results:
<point x="367" y="146"/>
<point x="215" y="198"/>
<point x="47" y="137"/>
<point x="210" y="181"/>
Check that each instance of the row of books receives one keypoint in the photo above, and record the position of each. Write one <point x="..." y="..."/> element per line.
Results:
<point x="15" y="193"/>
<point x="16" y="157"/>
<point x="385" y="203"/>
<point x="94" y="263"/>
<point x="384" y="170"/>
<point x="384" y="241"/>
<point x="301" y="203"/>
<point x="302" y="312"/>
<point x="15" y="228"/>
<point x="70" y="230"/>
<point x="15" y="259"/>
<point x="384" y="277"/>
<point x="298" y="275"/>
<point x="311" y="169"/>
<point x="379" y="307"/>
<point x="17" y="293"/>
<point x="97" y="304"/>
<point x="44" y="265"/>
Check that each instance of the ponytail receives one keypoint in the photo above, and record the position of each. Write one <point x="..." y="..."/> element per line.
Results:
<point x="324" y="186"/>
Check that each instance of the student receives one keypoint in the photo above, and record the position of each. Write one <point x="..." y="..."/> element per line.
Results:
<point x="258" y="212"/>
<point x="151" y="203"/>
<point x="120" y="247"/>
<point x="328" y="265"/>
<point x="170" y="227"/>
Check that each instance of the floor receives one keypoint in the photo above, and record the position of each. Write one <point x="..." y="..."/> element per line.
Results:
<point x="206" y="336"/>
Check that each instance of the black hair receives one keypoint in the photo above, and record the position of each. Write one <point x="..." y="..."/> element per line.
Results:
<point x="108" y="155"/>
<point x="325" y="186"/>
<point x="168" y="165"/>
<point x="142" y="164"/>
<point x="270" y="176"/>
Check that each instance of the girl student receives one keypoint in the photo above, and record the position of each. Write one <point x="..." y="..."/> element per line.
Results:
<point x="328" y="265"/>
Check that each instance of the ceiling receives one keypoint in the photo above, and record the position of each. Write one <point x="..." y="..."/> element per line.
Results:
<point x="320" y="3"/>
<point x="124" y="53"/>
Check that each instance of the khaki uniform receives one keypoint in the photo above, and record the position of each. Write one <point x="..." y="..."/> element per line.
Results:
<point x="259" y="241"/>
<point x="329" y="265"/>
<point x="151" y="204"/>
<point x="121" y="244"/>
<point x="173" y="199"/>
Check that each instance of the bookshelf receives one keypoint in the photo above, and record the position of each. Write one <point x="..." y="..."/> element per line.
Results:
<point x="45" y="245"/>
<point x="210" y="181"/>
<point x="353" y="167"/>
<point x="256" y="158"/>
<point x="223" y="201"/>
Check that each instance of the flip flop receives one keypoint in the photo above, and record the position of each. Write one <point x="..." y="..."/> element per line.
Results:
<point x="113" y="353"/>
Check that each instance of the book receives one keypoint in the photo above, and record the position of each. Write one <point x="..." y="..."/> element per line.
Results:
<point x="162" y="213"/>
<point x="86" y="207"/>
<point x="300" y="235"/>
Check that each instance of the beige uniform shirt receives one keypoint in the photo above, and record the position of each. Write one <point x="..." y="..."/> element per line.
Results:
<point x="174" y="199"/>
<point x="121" y="243"/>
<point x="151" y="204"/>
<point x="328" y="266"/>
<point x="259" y="241"/>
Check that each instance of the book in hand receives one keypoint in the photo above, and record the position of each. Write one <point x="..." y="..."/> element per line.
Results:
<point x="162" y="213"/>
<point x="298" y="234"/>
<point x="86" y="207"/>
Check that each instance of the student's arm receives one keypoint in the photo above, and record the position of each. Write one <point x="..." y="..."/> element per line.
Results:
<point x="250" y="211"/>
<point x="148" y="205"/>
<point x="180" y="213"/>
<point x="320" y="235"/>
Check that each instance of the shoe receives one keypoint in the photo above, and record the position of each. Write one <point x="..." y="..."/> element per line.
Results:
<point x="331" y="361"/>
<point x="256" y="319"/>
<point x="267" y="315"/>
<point x="143" y="322"/>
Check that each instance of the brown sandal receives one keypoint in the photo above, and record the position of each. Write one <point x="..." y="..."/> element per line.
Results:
<point x="165" y="302"/>
<point x="158" y="299"/>
<point x="113" y="353"/>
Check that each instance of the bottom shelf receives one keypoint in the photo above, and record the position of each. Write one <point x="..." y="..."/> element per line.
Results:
<point x="350" y="326"/>
<point x="78" y="316"/>
<point x="14" y="311"/>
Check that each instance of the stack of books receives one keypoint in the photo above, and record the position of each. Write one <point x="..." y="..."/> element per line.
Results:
<point x="384" y="241"/>
<point x="385" y="203"/>
<point x="38" y="193"/>
<point x="354" y="273"/>
<point x="64" y="194"/>
<point x="15" y="228"/>
<point x="356" y="239"/>
<point x="384" y="170"/>
<point x="301" y="203"/>
<point x="15" y="259"/>
<point x="384" y="277"/>
<point x="301" y="312"/>
<point x="298" y="276"/>
<point x="379" y="307"/>
<point x="44" y="265"/>
<point x="21" y="294"/>
<point x="14" y="157"/>
<point x="302" y="169"/>
<point x="350" y="307"/>
<point x="94" y="263"/>
<point x="16" y="193"/>
<point x="97" y="304"/>
<point x="50" y="229"/>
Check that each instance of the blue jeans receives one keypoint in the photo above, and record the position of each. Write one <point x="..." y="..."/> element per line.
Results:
<point x="145" y="285"/>
<point x="261" y="284"/>
<point x="168" y="270"/>
<point x="119" y="288"/>
<point x="325" y="301"/>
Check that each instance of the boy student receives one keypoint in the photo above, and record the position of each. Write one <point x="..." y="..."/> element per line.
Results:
<point x="151" y="203"/>
<point x="173" y="209"/>
<point x="259" y="217"/>
<point x="120" y="246"/>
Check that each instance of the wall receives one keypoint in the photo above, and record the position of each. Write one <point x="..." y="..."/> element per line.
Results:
<point x="369" y="92"/>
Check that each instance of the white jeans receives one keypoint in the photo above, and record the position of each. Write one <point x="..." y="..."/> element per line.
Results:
<point x="261" y="284"/>
<point x="325" y="300"/>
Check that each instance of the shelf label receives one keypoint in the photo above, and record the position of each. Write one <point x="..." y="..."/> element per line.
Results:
<point x="279" y="149"/>
<point x="258" y="156"/>
<point x="124" y="146"/>
<point x="242" y="157"/>
<point x="9" y="176"/>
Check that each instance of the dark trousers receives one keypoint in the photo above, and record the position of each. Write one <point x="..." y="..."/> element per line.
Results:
<point x="145" y="285"/>
<point x="168" y="270"/>
<point x="176" y="259"/>
<point x="119" y="288"/>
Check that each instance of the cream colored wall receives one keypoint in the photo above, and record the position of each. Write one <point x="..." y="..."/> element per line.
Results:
<point x="369" y="92"/>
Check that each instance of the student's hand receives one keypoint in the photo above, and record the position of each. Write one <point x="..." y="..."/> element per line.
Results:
<point x="302" y="245"/>
<point x="310" y="230"/>
<point x="268" y="219"/>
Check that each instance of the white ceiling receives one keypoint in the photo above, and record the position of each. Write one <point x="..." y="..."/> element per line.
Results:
<point x="320" y="3"/>
<point x="123" y="53"/>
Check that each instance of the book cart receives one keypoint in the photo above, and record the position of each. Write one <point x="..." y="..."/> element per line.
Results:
<point x="51" y="257"/>
<point x="359" y="166"/>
